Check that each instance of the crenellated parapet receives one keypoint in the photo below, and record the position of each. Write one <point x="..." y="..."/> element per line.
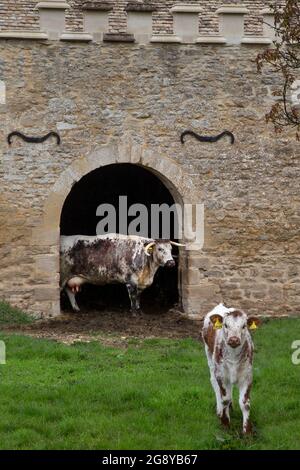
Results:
<point x="95" y="18"/>
<point x="186" y="20"/>
<point x="139" y="21"/>
<point x="52" y="17"/>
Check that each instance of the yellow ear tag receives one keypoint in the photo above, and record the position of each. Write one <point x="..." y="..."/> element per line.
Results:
<point x="150" y="250"/>
<point x="217" y="325"/>
<point x="253" y="326"/>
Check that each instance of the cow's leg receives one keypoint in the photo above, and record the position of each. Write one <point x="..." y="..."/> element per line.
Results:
<point x="213" y="379"/>
<point x="244" y="401"/>
<point x="72" y="299"/>
<point x="216" y="388"/>
<point x="225" y="389"/>
<point x="230" y="393"/>
<point x="134" y="296"/>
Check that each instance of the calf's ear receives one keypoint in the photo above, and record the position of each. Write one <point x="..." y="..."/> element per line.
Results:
<point x="253" y="323"/>
<point x="217" y="321"/>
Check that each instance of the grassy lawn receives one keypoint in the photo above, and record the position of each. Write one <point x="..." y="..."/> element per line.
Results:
<point x="154" y="395"/>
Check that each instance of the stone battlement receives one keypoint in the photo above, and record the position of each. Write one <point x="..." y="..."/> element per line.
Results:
<point x="213" y="22"/>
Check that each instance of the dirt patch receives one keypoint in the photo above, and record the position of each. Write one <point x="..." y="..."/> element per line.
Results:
<point x="113" y="328"/>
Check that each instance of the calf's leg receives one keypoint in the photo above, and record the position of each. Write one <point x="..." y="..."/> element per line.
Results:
<point x="244" y="401"/>
<point x="72" y="299"/>
<point x="213" y="380"/>
<point x="216" y="388"/>
<point x="225" y="390"/>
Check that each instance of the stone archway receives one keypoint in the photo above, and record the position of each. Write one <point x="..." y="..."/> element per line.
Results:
<point x="47" y="234"/>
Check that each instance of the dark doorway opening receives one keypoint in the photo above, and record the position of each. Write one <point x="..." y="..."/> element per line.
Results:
<point x="104" y="186"/>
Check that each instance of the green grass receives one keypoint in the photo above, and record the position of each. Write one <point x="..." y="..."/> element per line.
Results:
<point x="11" y="316"/>
<point x="154" y="395"/>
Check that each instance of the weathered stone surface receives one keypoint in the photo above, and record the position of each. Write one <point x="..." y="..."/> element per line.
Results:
<point x="140" y="7"/>
<point x="117" y="37"/>
<point x="20" y="14"/>
<point x="46" y="293"/>
<point x="98" y="6"/>
<point x="123" y="102"/>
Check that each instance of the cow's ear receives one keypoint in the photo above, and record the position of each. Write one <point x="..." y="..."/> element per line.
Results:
<point x="217" y="321"/>
<point x="148" y="248"/>
<point x="253" y="323"/>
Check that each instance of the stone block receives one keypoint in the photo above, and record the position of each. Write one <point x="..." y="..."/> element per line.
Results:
<point x="231" y="23"/>
<point x="193" y="277"/>
<point x="47" y="264"/>
<point x="2" y="92"/>
<point x="52" y="17"/>
<point x="268" y="24"/>
<point x="139" y="21"/>
<point x="95" y="18"/>
<point x="186" y="21"/>
<point x="166" y="38"/>
<point x="205" y="290"/>
<point x="55" y="309"/>
<point x="76" y="37"/>
<point x="46" y="293"/>
<point x="45" y="236"/>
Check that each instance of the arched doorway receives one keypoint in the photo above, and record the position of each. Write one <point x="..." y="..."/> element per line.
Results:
<point x="105" y="185"/>
<point x="180" y="184"/>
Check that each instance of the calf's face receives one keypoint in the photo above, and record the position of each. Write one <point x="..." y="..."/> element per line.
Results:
<point x="235" y="325"/>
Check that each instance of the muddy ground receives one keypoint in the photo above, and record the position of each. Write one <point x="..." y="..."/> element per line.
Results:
<point x="111" y="327"/>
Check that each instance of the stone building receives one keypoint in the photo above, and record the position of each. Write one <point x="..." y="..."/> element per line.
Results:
<point x="119" y="81"/>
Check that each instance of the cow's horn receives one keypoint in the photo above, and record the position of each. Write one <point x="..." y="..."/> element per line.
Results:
<point x="177" y="244"/>
<point x="147" y="247"/>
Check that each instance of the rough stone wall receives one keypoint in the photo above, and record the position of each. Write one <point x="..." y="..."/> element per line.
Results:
<point x="95" y="95"/>
<point x="20" y="14"/>
<point x="74" y="16"/>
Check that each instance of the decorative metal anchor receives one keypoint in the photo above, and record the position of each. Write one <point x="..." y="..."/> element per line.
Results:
<point x="36" y="140"/>
<point x="203" y="138"/>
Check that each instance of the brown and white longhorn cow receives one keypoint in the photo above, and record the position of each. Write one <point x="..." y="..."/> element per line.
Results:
<point x="229" y="349"/>
<point x="110" y="259"/>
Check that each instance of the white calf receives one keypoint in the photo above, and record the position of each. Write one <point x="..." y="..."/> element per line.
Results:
<point x="229" y="350"/>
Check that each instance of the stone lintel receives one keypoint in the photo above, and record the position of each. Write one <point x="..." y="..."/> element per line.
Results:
<point x="118" y="37"/>
<point x="165" y="38"/>
<point x="186" y="8"/>
<point x="23" y="35"/>
<point x="256" y="40"/>
<point x="97" y="6"/>
<point x="233" y="10"/>
<point x="139" y="7"/>
<point x="84" y="37"/>
<point x="52" y="5"/>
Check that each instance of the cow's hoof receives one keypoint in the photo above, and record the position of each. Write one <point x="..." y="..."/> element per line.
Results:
<point x="225" y="421"/>
<point x="137" y="313"/>
<point x="248" y="429"/>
